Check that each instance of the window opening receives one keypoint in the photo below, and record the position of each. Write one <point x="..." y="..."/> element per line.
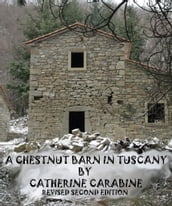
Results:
<point x="156" y="112"/>
<point x="36" y="98"/>
<point x="77" y="59"/>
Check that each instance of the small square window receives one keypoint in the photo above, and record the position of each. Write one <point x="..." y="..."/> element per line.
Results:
<point x="77" y="59"/>
<point x="156" y="112"/>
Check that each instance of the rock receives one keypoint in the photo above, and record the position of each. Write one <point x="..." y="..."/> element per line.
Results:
<point x="94" y="144"/>
<point x="100" y="147"/>
<point x="89" y="138"/>
<point x="77" y="147"/>
<point x="154" y="143"/>
<point x="105" y="141"/>
<point x="106" y="148"/>
<point x="169" y="146"/>
<point x="85" y="136"/>
<point x="32" y="146"/>
<point x="64" y="143"/>
<point x="67" y="136"/>
<point x="27" y="147"/>
<point x="20" y="148"/>
<point x="76" y="132"/>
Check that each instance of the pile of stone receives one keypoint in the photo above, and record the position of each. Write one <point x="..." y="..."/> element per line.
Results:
<point x="79" y="141"/>
<point x="76" y="142"/>
<point x="82" y="141"/>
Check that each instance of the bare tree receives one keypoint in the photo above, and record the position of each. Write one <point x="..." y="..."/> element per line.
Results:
<point x="103" y="20"/>
<point x="159" y="54"/>
<point x="158" y="32"/>
<point x="101" y="14"/>
<point x="21" y="2"/>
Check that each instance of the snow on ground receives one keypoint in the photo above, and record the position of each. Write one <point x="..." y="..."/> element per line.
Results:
<point x="169" y="146"/>
<point x="38" y="177"/>
<point x="19" y="125"/>
<point x="35" y="171"/>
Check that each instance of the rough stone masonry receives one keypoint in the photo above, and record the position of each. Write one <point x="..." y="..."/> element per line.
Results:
<point x="89" y="83"/>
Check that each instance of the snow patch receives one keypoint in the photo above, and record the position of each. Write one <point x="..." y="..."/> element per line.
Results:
<point x="148" y="173"/>
<point x="132" y="160"/>
<point x="19" y="125"/>
<point x="86" y="145"/>
<point x="169" y="146"/>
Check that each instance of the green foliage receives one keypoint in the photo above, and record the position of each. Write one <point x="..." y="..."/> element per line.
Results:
<point x="94" y="18"/>
<point x="21" y="2"/>
<point x="72" y="13"/>
<point x="39" y="22"/>
<point x="129" y="29"/>
<point x="132" y="31"/>
<point x="135" y="33"/>
<point x="18" y="67"/>
<point x="99" y="16"/>
<point x="19" y="70"/>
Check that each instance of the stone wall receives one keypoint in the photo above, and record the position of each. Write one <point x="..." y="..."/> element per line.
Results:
<point x="111" y="91"/>
<point x="4" y="119"/>
<point x="141" y="88"/>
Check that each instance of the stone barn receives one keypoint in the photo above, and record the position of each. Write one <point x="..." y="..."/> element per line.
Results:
<point x="5" y="109"/>
<point x="90" y="83"/>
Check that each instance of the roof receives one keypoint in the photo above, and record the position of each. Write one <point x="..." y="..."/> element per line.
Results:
<point x="72" y="27"/>
<point x="143" y="65"/>
<point x="6" y="98"/>
<point x="101" y="32"/>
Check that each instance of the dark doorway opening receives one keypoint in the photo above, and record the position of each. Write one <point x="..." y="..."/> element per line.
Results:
<point x="76" y="120"/>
